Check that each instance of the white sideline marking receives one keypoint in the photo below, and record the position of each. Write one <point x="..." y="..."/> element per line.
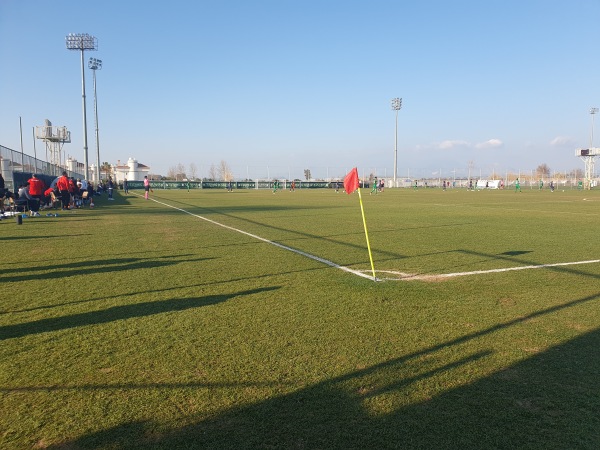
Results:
<point x="363" y="273"/>
<point x="409" y="277"/>
<point x="284" y="247"/>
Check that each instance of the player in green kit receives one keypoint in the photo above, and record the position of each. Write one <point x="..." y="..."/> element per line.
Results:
<point x="275" y="186"/>
<point x="517" y="186"/>
<point x="374" y="188"/>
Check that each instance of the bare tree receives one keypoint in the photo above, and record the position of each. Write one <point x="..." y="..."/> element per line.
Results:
<point x="193" y="171"/>
<point x="180" y="172"/>
<point x="225" y="173"/>
<point x="212" y="173"/>
<point x="543" y="170"/>
<point x="172" y="173"/>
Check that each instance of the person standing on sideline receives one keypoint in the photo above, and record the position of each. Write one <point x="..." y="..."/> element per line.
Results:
<point x="63" y="189"/>
<point x="125" y="186"/>
<point x="110" y="188"/>
<point x="146" y="187"/>
<point x="36" y="187"/>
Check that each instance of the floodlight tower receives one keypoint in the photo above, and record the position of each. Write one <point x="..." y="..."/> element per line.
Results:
<point x="82" y="42"/>
<point x="396" y="105"/>
<point x="96" y="64"/>
<point x="593" y="112"/>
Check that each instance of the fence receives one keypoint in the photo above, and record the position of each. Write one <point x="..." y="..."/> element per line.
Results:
<point x="16" y="167"/>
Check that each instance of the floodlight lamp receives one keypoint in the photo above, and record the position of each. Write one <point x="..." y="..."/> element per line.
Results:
<point x="593" y="110"/>
<point x="396" y="104"/>
<point x="95" y="64"/>
<point x="81" y="42"/>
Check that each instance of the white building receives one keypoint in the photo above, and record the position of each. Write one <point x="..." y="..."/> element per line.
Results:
<point x="133" y="171"/>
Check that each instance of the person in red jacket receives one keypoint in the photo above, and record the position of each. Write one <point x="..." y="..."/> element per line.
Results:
<point x="47" y="198"/>
<point x="36" y="187"/>
<point x="63" y="188"/>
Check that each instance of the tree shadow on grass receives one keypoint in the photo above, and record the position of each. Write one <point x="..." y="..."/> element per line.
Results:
<point x="548" y="401"/>
<point x="25" y="238"/>
<point x="118" y="313"/>
<point x="85" y="267"/>
<point x="213" y="283"/>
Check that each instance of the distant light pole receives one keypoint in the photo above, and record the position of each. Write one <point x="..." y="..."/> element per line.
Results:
<point x="96" y="64"/>
<point x="82" y="42"/>
<point x="593" y="112"/>
<point x="396" y="105"/>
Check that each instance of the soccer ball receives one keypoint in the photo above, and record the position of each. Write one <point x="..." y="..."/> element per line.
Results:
<point x="91" y="205"/>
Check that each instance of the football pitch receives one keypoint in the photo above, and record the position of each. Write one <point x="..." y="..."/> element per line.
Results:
<point x="209" y="319"/>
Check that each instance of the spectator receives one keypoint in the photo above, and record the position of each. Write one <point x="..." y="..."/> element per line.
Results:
<point x="110" y="188"/>
<point x="63" y="189"/>
<point x="47" y="199"/>
<point x="26" y="202"/>
<point x="2" y="194"/>
<point x="36" y="187"/>
<point x="72" y="192"/>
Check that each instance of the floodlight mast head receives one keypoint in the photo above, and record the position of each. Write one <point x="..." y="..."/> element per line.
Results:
<point x="81" y="41"/>
<point x="593" y="112"/>
<point x="95" y="64"/>
<point x="396" y="104"/>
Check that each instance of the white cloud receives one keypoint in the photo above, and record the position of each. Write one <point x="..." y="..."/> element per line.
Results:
<point x="446" y="145"/>
<point x="562" y="141"/>
<point x="492" y="143"/>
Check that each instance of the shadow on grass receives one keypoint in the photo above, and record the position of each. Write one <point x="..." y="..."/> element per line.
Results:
<point x="117" y="313"/>
<point x="152" y="291"/>
<point x="547" y="401"/>
<point x="24" y="238"/>
<point x="226" y="212"/>
<point x="85" y="267"/>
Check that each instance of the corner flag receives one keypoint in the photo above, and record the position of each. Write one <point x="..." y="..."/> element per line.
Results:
<point x="351" y="181"/>
<point x="350" y="185"/>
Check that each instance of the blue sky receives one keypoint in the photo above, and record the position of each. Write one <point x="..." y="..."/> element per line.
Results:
<point x="273" y="87"/>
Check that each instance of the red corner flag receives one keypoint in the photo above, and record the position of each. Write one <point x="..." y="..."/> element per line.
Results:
<point x="351" y="181"/>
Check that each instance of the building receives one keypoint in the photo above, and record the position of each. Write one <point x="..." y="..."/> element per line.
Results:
<point x="133" y="171"/>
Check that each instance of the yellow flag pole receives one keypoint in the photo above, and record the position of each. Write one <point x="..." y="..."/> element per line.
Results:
<point x="366" y="234"/>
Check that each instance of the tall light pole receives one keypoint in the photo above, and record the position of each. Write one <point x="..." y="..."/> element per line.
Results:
<point x="82" y="42"/>
<point x="96" y="64"/>
<point x="396" y="105"/>
<point x="593" y="112"/>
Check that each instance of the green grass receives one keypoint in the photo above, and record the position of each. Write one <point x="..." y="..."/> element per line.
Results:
<point x="136" y="325"/>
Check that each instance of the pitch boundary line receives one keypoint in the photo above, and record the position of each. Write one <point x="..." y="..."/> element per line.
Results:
<point x="276" y="244"/>
<point x="432" y="277"/>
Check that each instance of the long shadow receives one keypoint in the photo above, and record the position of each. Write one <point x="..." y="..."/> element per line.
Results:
<point x="152" y="291"/>
<point x="549" y="401"/>
<point x="107" y="266"/>
<point x="25" y="238"/>
<point x="301" y="235"/>
<point x="117" y="313"/>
